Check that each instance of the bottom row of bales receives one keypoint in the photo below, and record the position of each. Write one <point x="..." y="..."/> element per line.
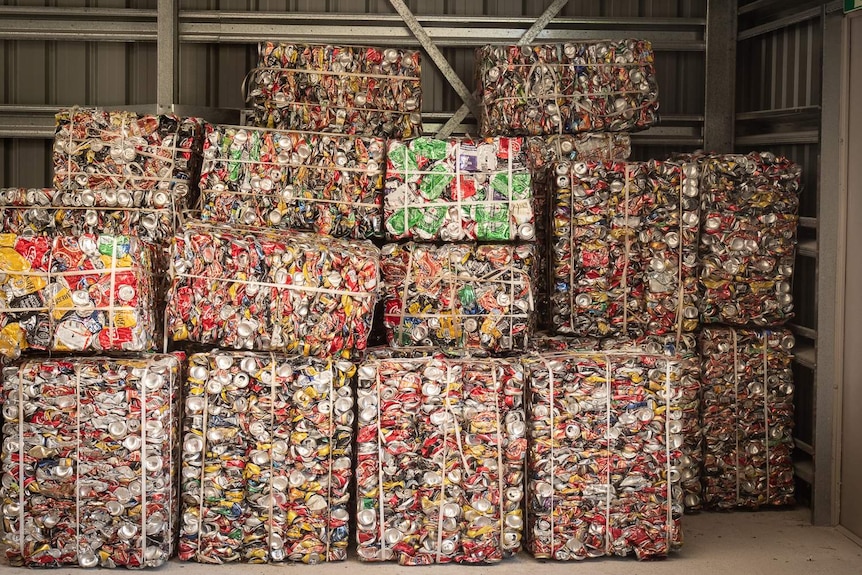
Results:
<point x="568" y="454"/>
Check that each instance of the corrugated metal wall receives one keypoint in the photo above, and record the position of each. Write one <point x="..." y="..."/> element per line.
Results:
<point x="778" y="109"/>
<point x="114" y="74"/>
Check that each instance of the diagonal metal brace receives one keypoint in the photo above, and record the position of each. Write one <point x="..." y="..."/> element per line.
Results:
<point x="538" y="26"/>
<point x="436" y="56"/>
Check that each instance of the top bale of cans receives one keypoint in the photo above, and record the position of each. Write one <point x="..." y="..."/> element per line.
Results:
<point x="605" y="86"/>
<point x="340" y="89"/>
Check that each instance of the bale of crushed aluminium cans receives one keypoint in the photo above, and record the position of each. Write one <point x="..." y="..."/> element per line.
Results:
<point x="76" y="293"/>
<point x="88" y="461"/>
<point x="684" y="351"/>
<point x="624" y="248"/>
<point x="458" y="189"/>
<point x="144" y="164"/>
<point x="748" y="238"/>
<point x="603" y="441"/>
<point x="747" y="395"/>
<point x="326" y="183"/>
<point x="458" y="295"/>
<point x="542" y="153"/>
<point x="266" y="463"/>
<point x="344" y="89"/>
<point x="271" y="290"/>
<point x="604" y="86"/>
<point x="440" y="459"/>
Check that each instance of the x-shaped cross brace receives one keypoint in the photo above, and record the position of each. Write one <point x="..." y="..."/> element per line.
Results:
<point x="470" y="104"/>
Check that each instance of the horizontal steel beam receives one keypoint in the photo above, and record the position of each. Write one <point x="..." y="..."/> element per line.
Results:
<point x="780" y="138"/>
<point x="803" y="447"/>
<point x="799" y="113"/>
<point x="78" y="24"/>
<point x="214" y="26"/>
<point x="676" y="34"/>
<point x="800" y="16"/>
<point x="805" y="355"/>
<point x="807" y="248"/>
<point x="804" y="470"/>
<point x="808" y="222"/>
<point x="38" y="122"/>
<point x="802" y="330"/>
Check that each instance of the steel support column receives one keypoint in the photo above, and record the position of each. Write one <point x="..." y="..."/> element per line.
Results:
<point x="831" y="241"/>
<point x="167" y="55"/>
<point x="720" y="76"/>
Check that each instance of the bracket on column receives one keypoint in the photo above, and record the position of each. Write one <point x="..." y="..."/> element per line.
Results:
<point x="540" y="24"/>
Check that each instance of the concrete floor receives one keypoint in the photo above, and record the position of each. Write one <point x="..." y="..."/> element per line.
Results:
<point x="763" y="543"/>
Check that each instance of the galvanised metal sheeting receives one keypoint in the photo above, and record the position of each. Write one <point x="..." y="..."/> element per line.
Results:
<point x="783" y="64"/>
<point x="43" y="73"/>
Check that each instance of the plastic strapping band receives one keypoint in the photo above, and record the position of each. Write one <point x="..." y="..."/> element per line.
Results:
<point x="272" y="398"/>
<point x="573" y="256"/>
<point x="680" y="249"/>
<point x="143" y="385"/>
<point x="500" y="468"/>
<point x="263" y="166"/>
<point x="51" y="307"/>
<point x="318" y="72"/>
<point x="291" y="287"/>
<point x="294" y="199"/>
<point x="669" y="497"/>
<point x="405" y="288"/>
<point x="608" y="394"/>
<point x="78" y="482"/>
<point x="626" y="229"/>
<point x="173" y="373"/>
<point x="198" y="555"/>
<point x="332" y="436"/>
<point x="111" y="310"/>
<point x="766" y="408"/>
<point x="552" y="404"/>
<point x="21" y="502"/>
<point x="443" y="471"/>
<point x="736" y="409"/>
<point x="510" y="210"/>
<point x="458" y="191"/>
<point x="405" y="208"/>
<point x="380" y="440"/>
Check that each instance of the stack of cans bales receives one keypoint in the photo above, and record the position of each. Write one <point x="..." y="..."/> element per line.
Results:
<point x="266" y="458"/>
<point x="442" y="438"/>
<point x="281" y="263"/>
<point x="747" y="251"/>
<point x="578" y="101"/>
<point x="88" y="442"/>
<point x="621" y="244"/>
<point x="453" y="293"/>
